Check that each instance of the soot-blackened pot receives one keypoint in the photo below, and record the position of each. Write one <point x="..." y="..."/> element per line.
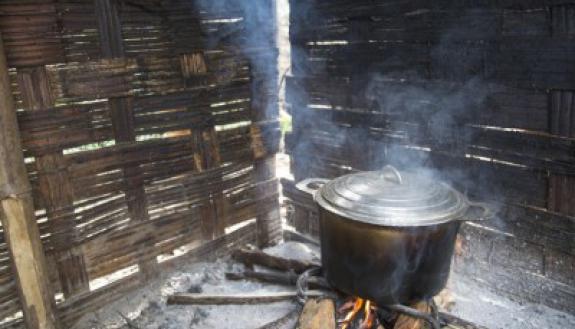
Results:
<point x="388" y="236"/>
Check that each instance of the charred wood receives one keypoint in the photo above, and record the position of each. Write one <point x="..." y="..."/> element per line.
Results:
<point x="258" y="257"/>
<point x="287" y="279"/>
<point x="317" y="314"/>
<point x="231" y="299"/>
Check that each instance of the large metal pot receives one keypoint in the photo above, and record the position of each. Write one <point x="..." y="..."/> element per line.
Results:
<point x="388" y="236"/>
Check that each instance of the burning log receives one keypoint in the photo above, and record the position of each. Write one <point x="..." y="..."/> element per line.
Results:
<point x="354" y="307"/>
<point x="405" y="321"/>
<point x="445" y="300"/>
<point x="317" y="315"/>
<point x="236" y="299"/>
<point x="258" y="257"/>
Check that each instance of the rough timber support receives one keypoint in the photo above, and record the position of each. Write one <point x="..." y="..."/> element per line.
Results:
<point x="18" y="219"/>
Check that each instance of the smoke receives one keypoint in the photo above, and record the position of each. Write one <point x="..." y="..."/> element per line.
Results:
<point x="425" y="95"/>
<point x="425" y="107"/>
<point x="247" y="28"/>
<point x="417" y="103"/>
<point x="436" y="110"/>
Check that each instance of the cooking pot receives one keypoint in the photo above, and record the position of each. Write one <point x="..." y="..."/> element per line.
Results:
<point x="389" y="236"/>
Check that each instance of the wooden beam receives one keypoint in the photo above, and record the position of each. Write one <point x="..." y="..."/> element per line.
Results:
<point x="18" y="219"/>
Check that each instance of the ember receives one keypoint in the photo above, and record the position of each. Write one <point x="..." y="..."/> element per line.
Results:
<point x="353" y="307"/>
<point x="358" y="313"/>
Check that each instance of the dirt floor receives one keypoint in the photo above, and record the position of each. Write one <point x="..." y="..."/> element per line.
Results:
<point x="147" y="309"/>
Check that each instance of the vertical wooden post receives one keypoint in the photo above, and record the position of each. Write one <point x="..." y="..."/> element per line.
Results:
<point x="265" y="108"/>
<point x="18" y="219"/>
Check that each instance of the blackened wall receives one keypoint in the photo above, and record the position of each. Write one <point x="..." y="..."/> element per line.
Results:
<point x="481" y="92"/>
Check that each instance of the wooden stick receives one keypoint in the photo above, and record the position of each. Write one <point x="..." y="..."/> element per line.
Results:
<point x="317" y="315"/>
<point x="287" y="279"/>
<point x="18" y="219"/>
<point x="236" y="299"/>
<point x="258" y="257"/>
<point x="408" y="322"/>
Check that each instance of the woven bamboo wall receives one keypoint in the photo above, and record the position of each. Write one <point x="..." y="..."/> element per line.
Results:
<point x="505" y="71"/>
<point x="146" y="127"/>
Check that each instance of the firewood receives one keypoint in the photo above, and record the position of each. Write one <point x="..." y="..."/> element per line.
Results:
<point x="445" y="300"/>
<point x="408" y="322"/>
<point x="287" y="279"/>
<point x="229" y="299"/>
<point x="258" y="257"/>
<point x="317" y="315"/>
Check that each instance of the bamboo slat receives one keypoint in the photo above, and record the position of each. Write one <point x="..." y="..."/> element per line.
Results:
<point x="141" y="135"/>
<point x="55" y="188"/>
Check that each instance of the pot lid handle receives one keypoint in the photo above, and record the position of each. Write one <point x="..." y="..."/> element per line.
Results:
<point x="311" y="185"/>
<point x="391" y="174"/>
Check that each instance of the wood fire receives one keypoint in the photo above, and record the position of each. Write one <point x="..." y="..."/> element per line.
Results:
<point x="355" y="308"/>
<point x="352" y="310"/>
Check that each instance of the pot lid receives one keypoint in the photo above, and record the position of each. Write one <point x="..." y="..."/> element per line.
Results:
<point x="392" y="198"/>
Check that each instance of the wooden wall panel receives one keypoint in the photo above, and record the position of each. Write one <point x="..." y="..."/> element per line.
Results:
<point x="145" y="127"/>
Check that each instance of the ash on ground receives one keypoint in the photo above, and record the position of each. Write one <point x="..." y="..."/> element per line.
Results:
<point x="147" y="309"/>
<point x="484" y="307"/>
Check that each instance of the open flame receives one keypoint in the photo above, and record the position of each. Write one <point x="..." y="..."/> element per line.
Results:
<point x="354" y="307"/>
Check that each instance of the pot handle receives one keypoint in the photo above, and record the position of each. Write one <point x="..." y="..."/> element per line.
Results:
<point x="390" y="173"/>
<point x="311" y="185"/>
<point x="475" y="207"/>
